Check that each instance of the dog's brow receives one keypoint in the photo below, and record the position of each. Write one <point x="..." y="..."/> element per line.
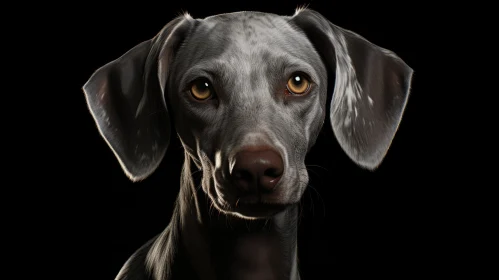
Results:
<point x="212" y="69"/>
<point x="287" y="64"/>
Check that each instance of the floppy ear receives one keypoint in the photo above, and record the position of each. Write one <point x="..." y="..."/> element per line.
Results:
<point x="371" y="88"/>
<point x="126" y="101"/>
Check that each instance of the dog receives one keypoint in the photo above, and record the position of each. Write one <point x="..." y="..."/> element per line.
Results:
<point x="247" y="94"/>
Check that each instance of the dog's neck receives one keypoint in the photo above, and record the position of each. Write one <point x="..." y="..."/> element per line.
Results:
<point x="220" y="246"/>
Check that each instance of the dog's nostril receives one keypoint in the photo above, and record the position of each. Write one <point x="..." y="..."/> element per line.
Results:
<point x="242" y="175"/>
<point x="272" y="172"/>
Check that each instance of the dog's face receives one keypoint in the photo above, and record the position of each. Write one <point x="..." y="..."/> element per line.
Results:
<point x="250" y="86"/>
<point x="247" y="94"/>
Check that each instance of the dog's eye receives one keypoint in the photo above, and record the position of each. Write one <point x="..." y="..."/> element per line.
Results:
<point x="298" y="84"/>
<point x="201" y="89"/>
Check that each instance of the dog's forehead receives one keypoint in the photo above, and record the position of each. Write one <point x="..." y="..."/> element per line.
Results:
<point x="246" y="33"/>
<point x="247" y="24"/>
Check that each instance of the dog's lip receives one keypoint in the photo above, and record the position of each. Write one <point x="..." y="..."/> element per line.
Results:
<point x="249" y="199"/>
<point x="258" y="198"/>
<point x="260" y="210"/>
<point x="255" y="206"/>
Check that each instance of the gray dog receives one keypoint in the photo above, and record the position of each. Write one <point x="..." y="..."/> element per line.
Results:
<point x="246" y="93"/>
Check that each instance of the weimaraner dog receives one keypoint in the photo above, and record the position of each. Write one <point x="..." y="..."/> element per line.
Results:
<point x="247" y="94"/>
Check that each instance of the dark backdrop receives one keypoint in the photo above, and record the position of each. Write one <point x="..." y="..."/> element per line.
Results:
<point x="354" y="222"/>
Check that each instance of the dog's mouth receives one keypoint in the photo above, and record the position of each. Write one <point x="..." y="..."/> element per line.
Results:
<point x="249" y="206"/>
<point x="254" y="207"/>
<point x="259" y="210"/>
<point x="253" y="199"/>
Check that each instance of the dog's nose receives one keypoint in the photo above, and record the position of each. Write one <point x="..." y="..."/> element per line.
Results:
<point x="257" y="169"/>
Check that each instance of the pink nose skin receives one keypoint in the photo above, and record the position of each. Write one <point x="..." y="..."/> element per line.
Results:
<point x="257" y="170"/>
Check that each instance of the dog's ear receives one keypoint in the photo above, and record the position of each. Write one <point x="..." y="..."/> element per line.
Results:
<point x="126" y="100"/>
<point x="371" y="88"/>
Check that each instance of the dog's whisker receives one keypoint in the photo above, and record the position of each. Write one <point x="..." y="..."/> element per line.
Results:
<point x="315" y="165"/>
<point x="196" y="172"/>
<point x="320" y="197"/>
<point x="230" y="223"/>
<point x="211" y="208"/>
<point x="315" y="174"/>
<point x="267" y="223"/>
<point x="300" y="212"/>
<point x="311" y="203"/>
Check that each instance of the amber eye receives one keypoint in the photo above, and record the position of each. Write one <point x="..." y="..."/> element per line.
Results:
<point x="298" y="84"/>
<point x="201" y="89"/>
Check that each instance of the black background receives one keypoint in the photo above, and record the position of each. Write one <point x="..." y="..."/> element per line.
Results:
<point x="391" y="223"/>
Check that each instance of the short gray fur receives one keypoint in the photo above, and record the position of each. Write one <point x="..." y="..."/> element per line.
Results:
<point x="248" y="57"/>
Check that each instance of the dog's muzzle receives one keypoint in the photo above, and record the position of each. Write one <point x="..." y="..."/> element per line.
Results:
<point x="254" y="176"/>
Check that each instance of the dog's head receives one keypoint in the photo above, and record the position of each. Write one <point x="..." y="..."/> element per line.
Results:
<point x="247" y="95"/>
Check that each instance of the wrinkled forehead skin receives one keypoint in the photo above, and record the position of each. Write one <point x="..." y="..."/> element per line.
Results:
<point x="247" y="42"/>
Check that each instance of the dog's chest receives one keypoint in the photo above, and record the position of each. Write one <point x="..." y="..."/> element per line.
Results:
<point x="254" y="258"/>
